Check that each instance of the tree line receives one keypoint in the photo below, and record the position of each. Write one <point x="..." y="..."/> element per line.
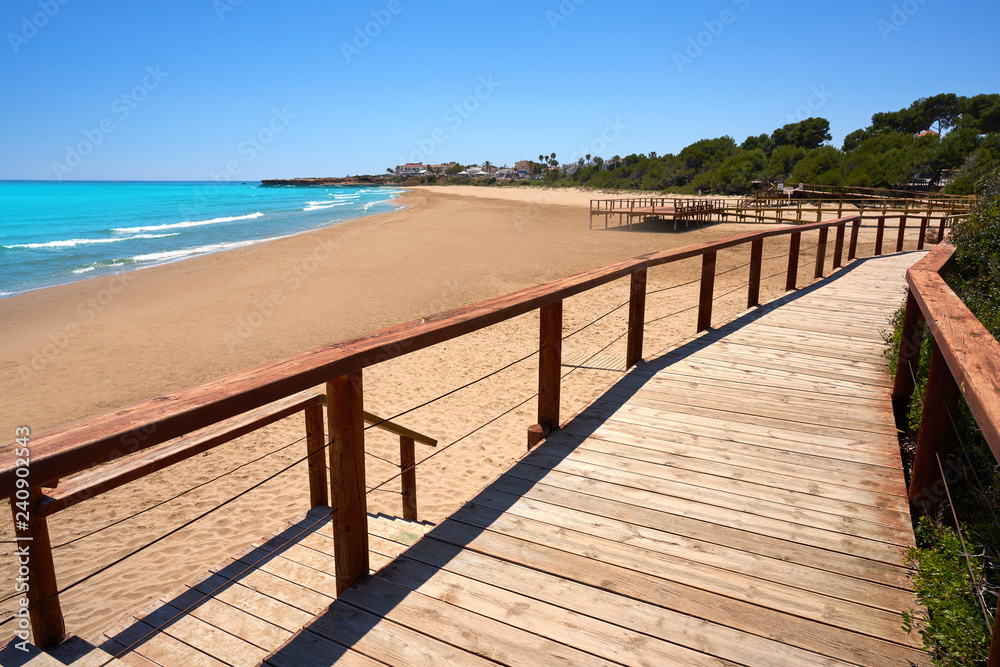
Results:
<point x="946" y="141"/>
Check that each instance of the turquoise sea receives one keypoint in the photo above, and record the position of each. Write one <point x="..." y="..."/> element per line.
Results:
<point x="56" y="232"/>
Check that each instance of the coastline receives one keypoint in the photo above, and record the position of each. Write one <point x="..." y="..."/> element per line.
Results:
<point x="180" y="324"/>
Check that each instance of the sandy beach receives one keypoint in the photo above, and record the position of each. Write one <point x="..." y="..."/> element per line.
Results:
<point x="92" y="346"/>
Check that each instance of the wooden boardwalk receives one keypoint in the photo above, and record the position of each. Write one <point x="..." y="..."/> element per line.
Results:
<point x="736" y="501"/>
<point x="739" y="500"/>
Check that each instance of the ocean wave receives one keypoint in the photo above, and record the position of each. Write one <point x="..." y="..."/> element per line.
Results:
<point x="198" y="250"/>
<point x="84" y="269"/>
<point x="320" y="205"/>
<point x="69" y="243"/>
<point x="191" y="223"/>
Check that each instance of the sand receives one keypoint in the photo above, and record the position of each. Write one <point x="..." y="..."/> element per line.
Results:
<point x="80" y="349"/>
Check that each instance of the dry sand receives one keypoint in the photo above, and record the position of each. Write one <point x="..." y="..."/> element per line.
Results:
<point x="85" y="348"/>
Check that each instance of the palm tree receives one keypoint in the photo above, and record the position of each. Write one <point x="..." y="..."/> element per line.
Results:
<point x="588" y="158"/>
<point x="488" y="167"/>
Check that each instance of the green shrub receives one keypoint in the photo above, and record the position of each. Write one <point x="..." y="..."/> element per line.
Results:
<point x="956" y="634"/>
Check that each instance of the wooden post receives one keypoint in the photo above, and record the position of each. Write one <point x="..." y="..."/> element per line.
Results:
<point x="793" y="260"/>
<point x="821" y="252"/>
<point x="636" y="318"/>
<point x="315" y="445"/>
<point x="549" y="367"/>
<point x="934" y="439"/>
<point x="910" y="343"/>
<point x="345" y="404"/>
<point x="901" y="234"/>
<point x="944" y="221"/>
<point x="838" y="246"/>
<point x="879" y="234"/>
<point x="408" y="477"/>
<point x="34" y="556"/>
<point x="926" y="220"/>
<point x="707" y="291"/>
<point x="756" y="256"/>
<point x="855" y="230"/>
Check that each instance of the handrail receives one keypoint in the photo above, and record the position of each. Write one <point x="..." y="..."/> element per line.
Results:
<point x="965" y="361"/>
<point x="86" y="443"/>
<point x="972" y="354"/>
<point x="65" y="450"/>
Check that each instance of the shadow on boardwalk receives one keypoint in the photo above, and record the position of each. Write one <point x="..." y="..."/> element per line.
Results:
<point x="349" y="623"/>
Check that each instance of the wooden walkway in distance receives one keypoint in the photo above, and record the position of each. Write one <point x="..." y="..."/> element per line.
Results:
<point x="739" y="500"/>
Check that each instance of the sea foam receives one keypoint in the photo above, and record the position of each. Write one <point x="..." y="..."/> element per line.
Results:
<point x="191" y="223"/>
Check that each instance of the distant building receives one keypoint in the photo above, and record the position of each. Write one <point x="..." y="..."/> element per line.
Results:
<point x="523" y="167"/>
<point x="441" y="168"/>
<point x="411" y="169"/>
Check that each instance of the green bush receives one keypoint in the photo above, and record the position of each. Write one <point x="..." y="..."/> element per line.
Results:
<point x="957" y="634"/>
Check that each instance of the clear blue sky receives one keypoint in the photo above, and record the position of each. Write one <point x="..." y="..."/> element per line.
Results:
<point x="286" y="89"/>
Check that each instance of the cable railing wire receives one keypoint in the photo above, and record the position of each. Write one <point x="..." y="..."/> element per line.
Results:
<point x="182" y="493"/>
<point x="174" y="531"/>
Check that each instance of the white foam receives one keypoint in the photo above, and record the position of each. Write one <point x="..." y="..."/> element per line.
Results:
<point x="199" y="250"/>
<point x="319" y="205"/>
<point x="85" y="269"/>
<point x="191" y="223"/>
<point x="69" y="243"/>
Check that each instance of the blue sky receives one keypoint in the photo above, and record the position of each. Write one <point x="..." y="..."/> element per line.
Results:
<point x="247" y="89"/>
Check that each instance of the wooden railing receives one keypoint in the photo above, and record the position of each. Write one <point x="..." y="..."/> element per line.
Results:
<point x="965" y="361"/>
<point x="82" y="445"/>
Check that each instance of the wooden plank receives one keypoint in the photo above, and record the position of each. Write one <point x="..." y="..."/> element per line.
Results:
<point x="231" y="620"/>
<point x="707" y="605"/>
<point x="653" y="531"/>
<point x="534" y="482"/>
<point x="737" y="467"/>
<point x="387" y="641"/>
<point x="270" y="609"/>
<point x="308" y="649"/>
<point x="203" y="636"/>
<point x="628" y="555"/>
<point x="631" y="614"/>
<point x="568" y="627"/>
<point x="751" y="514"/>
<point x="158" y="647"/>
<point x="883" y="528"/>
<point x="807" y="466"/>
<point x="753" y="411"/>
